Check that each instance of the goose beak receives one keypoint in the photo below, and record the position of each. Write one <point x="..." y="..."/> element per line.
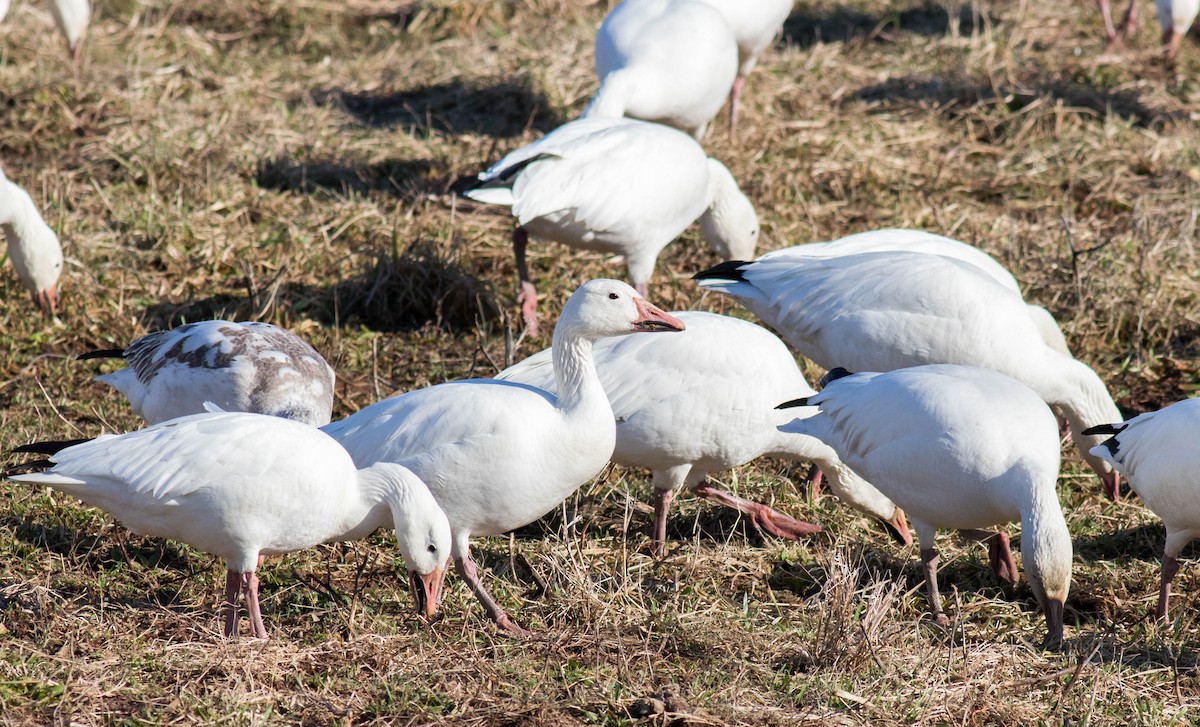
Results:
<point x="897" y="527"/>
<point x="1110" y="483"/>
<point x="427" y="590"/>
<point x="653" y="318"/>
<point x="47" y="300"/>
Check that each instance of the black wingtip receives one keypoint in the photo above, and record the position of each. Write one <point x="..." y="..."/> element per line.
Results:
<point x="729" y="270"/>
<point x="802" y="401"/>
<point x="47" y="448"/>
<point x="1104" y="429"/>
<point x="102" y="353"/>
<point x="833" y="375"/>
<point x="37" y="465"/>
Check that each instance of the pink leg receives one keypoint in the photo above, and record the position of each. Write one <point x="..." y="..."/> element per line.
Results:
<point x="527" y="298"/>
<point x="1170" y="566"/>
<point x="814" y="484"/>
<point x="763" y="517"/>
<point x="233" y="587"/>
<point x="735" y="94"/>
<point x="466" y="569"/>
<point x="662" y="505"/>
<point x="1131" y="18"/>
<point x="1054" y="623"/>
<point x="1106" y="14"/>
<point x="1000" y="559"/>
<point x="1172" y="39"/>
<point x="250" y="588"/>
<point x="929" y="558"/>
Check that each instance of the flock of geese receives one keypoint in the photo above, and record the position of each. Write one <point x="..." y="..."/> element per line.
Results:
<point x="953" y="421"/>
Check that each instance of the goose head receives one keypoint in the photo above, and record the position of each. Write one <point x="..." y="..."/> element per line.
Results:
<point x="33" y="247"/>
<point x="422" y="534"/>
<point x="603" y="307"/>
<point x="730" y="224"/>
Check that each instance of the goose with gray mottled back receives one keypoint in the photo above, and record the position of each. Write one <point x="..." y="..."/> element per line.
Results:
<point x="32" y="246"/>
<point x="1157" y="454"/>
<point x="957" y="447"/>
<point x="250" y="366"/>
<point x="499" y="455"/>
<point x="242" y="486"/>
<point x="703" y="401"/>
<point x="881" y="311"/>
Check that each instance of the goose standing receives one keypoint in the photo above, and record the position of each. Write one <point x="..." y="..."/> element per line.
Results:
<point x="888" y="310"/>
<point x="499" y="455"/>
<point x="1156" y="452"/>
<point x="241" y="486"/>
<point x="670" y="61"/>
<point x="755" y="24"/>
<point x="71" y="17"/>
<point x="248" y="367"/>
<point x="704" y="401"/>
<point x="957" y="447"/>
<point x="32" y="246"/>
<point x="1174" y="17"/>
<point x="618" y="186"/>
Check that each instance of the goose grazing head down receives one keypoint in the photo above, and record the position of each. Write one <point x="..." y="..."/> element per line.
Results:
<point x="498" y="455"/>
<point x="242" y="486"/>
<point x="32" y="246"/>
<point x="957" y="447"/>
<point x="730" y="224"/>
<point x="72" y="18"/>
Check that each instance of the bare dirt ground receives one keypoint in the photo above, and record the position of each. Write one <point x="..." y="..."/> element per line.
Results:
<point x="298" y="162"/>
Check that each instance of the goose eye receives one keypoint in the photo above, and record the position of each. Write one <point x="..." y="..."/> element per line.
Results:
<point x="613" y="296"/>
<point x="432" y="548"/>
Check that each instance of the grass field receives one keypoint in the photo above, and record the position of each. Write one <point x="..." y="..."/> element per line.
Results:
<point x="298" y="162"/>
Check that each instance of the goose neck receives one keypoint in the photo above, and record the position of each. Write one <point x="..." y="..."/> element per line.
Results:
<point x="574" y="368"/>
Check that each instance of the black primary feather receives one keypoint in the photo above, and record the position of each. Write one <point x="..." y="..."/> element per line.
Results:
<point x="48" y="448"/>
<point x="37" y="465"/>
<point x="505" y="178"/>
<point x="729" y="270"/>
<point x="1111" y="443"/>
<point x="102" y="353"/>
<point x="803" y="401"/>
<point x="833" y="375"/>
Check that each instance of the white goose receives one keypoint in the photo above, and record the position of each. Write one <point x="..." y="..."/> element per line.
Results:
<point x="499" y="455"/>
<point x="755" y="24"/>
<point x="670" y="61"/>
<point x="704" y="401"/>
<point x="241" y="486"/>
<point x="956" y="447"/>
<point x="619" y="186"/>
<point x="250" y="367"/>
<point x="71" y="17"/>
<point x="32" y="246"/>
<point x="1157" y="454"/>
<point x="887" y="310"/>
<point x="1174" y="17"/>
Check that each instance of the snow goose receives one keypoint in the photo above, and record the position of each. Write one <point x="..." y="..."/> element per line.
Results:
<point x="957" y="447"/>
<point x="670" y="61"/>
<point x="755" y="24"/>
<point x="250" y="367"/>
<point x="887" y="310"/>
<point x="499" y="455"/>
<point x="619" y="186"/>
<point x="32" y="245"/>
<point x="704" y="401"/>
<point x="894" y="240"/>
<point x="241" y="486"/>
<point x="1156" y="452"/>
<point x="1175" y="17"/>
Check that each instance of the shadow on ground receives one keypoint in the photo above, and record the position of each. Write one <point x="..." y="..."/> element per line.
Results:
<point x="812" y="24"/>
<point x="405" y="179"/>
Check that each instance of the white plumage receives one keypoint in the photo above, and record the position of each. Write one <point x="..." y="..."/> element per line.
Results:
<point x="250" y="367"/>
<point x="670" y="61"/>
<point x="619" y="186"/>
<point x="1175" y="17"/>
<point x="956" y="447"/>
<point x="703" y="401"/>
<point x="241" y="486"/>
<point x="499" y="455"/>
<point x="72" y="18"/>
<point x="32" y="246"/>
<point x="1157" y="454"/>
<point x="887" y="310"/>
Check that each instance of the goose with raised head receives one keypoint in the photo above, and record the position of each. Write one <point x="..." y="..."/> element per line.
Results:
<point x="618" y="186"/>
<point x="882" y="311"/>
<point x="499" y="455"/>
<point x="703" y="401"/>
<point x="250" y="367"/>
<point x="755" y="25"/>
<point x="32" y="246"/>
<point x="670" y="61"/>
<point x="957" y="447"/>
<point x="242" y="486"/>
<point x="1157" y="454"/>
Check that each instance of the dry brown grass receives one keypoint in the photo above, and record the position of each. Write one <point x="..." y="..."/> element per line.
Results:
<point x="297" y="162"/>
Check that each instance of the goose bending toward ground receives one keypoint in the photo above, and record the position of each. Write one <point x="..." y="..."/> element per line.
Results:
<point x="71" y="17"/>
<point x="670" y="61"/>
<point x="704" y="401"/>
<point x="241" y="486"/>
<point x="499" y="455"/>
<point x="32" y="246"/>
<point x="1156" y="452"/>
<point x="1174" y="17"/>
<point x="755" y="24"/>
<point x="250" y="367"/>
<point x="618" y="186"/>
<point x="882" y="311"/>
<point x="957" y="447"/>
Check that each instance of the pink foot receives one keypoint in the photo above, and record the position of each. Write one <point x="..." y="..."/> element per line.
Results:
<point x="527" y="299"/>
<point x="763" y="517"/>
